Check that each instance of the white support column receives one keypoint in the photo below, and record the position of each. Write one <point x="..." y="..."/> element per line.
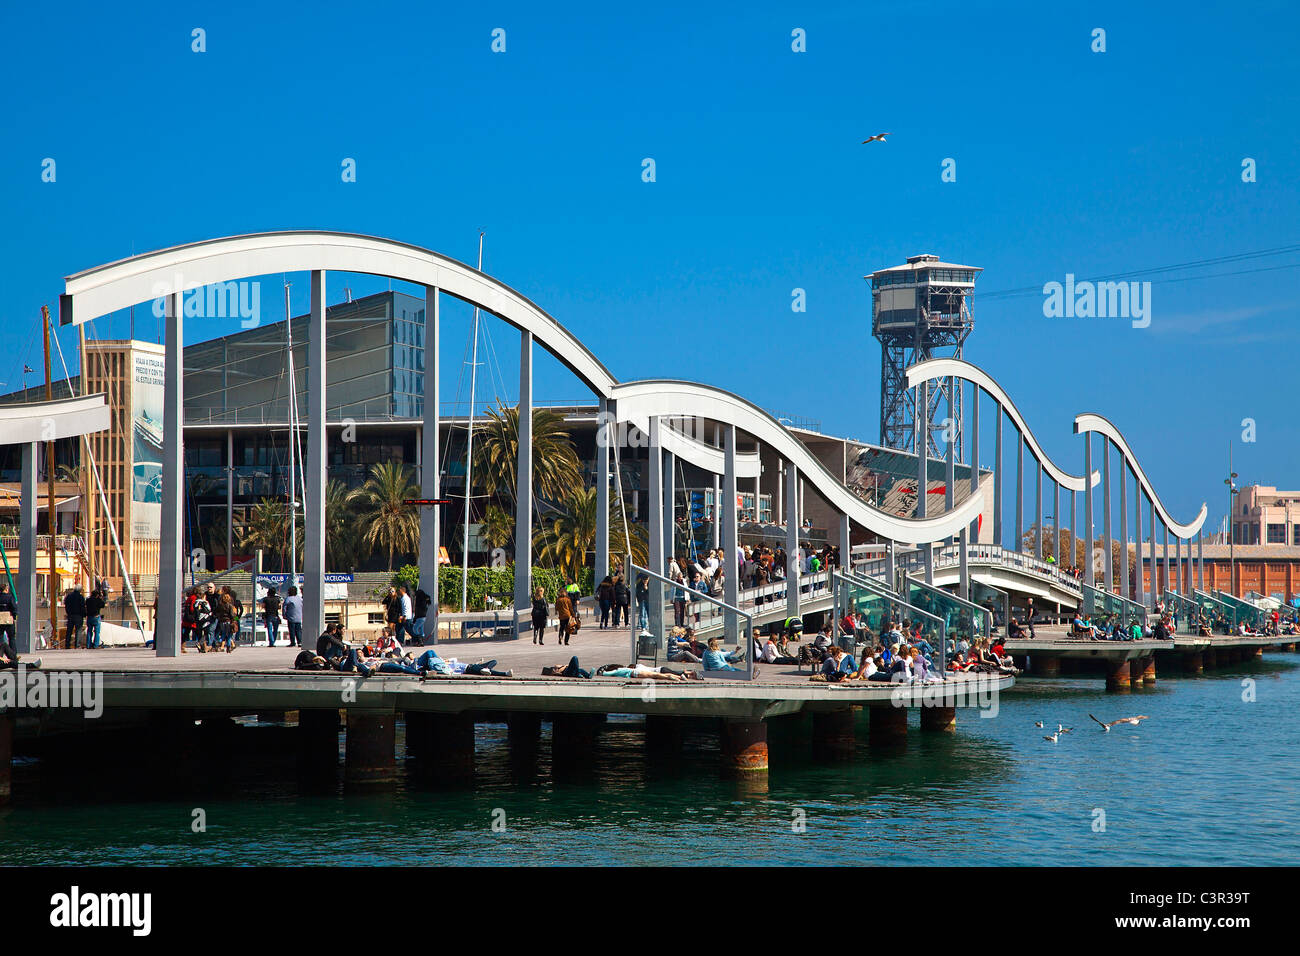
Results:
<point x="922" y="471"/>
<point x="997" y="478"/>
<point x="1088" y="575"/>
<point x="1038" y="512"/>
<point x="730" y="583"/>
<point x="27" y="514"/>
<point x="1140" y="585"/>
<point x="1154" y="569"/>
<point x="669" y="507"/>
<point x="1109" y="567"/>
<point x="1056" y="524"/>
<point x="1020" y="492"/>
<point x="1200" y="563"/>
<point x="313" y="494"/>
<point x="167" y="627"/>
<point x="604" y="435"/>
<point x="974" y="456"/>
<point x="792" y="518"/>
<point x="1123" y="528"/>
<point x="524" y="477"/>
<point x="655" y="524"/>
<point x="430" y="477"/>
<point x="846" y="550"/>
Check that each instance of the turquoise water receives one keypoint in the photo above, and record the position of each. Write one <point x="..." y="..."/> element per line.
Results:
<point x="1209" y="780"/>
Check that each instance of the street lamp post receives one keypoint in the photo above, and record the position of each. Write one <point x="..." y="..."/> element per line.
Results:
<point x="1230" y="481"/>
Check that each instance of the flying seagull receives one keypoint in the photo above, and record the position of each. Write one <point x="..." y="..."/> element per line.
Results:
<point x="1052" y="738"/>
<point x="878" y="138"/>
<point x="1123" y="720"/>
<point x="1061" y="729"/>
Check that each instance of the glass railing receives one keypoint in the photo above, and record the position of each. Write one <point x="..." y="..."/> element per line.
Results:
<point x="1185" y="612"/>
<point x="994" y="600"/>
<point x="1106" y="607"/>
<point x="1221" y="617"/>
<point x="881" y="608"/>
<point x="962" y="619"/>
<point x="1254" y="617"/>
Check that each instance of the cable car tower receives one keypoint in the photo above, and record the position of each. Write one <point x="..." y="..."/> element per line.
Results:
<point x="920" y="311"/>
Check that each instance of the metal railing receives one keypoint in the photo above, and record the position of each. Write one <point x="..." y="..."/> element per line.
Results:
<point x="649" y="646"/>
<point x="1214" y="609"/>
<point x="1187" y="612"/>
<point x="918" y="591"/>
<point x="1097" y="602"/>
<point x="848" y="588"/>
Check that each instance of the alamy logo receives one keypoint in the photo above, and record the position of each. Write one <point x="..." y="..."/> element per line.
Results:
<point x="77" y="690"/>
<point x="76" y="909"/>
<point x="1103" y="300"/>
<point x="220" y="300"/>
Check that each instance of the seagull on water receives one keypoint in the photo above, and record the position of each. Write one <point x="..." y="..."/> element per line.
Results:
<point x="1038" y="723"/>
<point x="1123" y="720"/>
<point x="1052" y="738"/>
<point x="878" y="138"/>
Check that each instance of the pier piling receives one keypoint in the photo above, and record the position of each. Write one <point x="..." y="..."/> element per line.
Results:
<point x="368" y="750"/>
<point x="6" y="755"/>
<point x="833" y="735"/>
<point x="1117" y="675"/>
<point x="888" y="725"/>
<point x="744" y="746"/>
<point x="939" y="718"/>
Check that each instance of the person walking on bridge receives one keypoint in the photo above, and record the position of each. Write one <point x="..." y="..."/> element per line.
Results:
<point x="564" y="611"/>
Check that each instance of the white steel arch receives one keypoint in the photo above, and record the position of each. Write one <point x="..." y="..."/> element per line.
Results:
<point x="664" y="397"/>
<point x="168" y="272"/>
<point x="1090" y="422"/>
<point x="945" y="367"/>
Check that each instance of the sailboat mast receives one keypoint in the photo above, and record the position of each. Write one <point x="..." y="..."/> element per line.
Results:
<point x="469" y="452"/>
<point x="293" y="440"/>
<point x="52" y="587"/>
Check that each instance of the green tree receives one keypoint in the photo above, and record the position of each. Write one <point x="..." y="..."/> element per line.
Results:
<point x="572" y="535"/>
<point x="341" y="537"/>
<point x="388" y="521"/>
<point x="498" y="527"/>
<point x="556" y="470"/>
<point x="266" y="527"/>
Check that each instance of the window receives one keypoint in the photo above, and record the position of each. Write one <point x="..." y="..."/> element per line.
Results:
<point x="1277" y="534"/>
<point x="374" y="617"/>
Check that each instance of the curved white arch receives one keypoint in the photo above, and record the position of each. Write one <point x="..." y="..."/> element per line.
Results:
<point x="1089" y="422"/>
<point x="945" y="367"/>
<point x="667" y="397"/>
<point x="61" y="418"/>
<point x="118" y="285"/>
<point x="127" y="282"/>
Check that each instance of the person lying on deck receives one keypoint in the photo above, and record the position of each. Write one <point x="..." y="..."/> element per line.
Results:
<point x="646" y="672"/>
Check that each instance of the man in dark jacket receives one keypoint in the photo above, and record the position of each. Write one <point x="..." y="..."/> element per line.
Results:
<point x="622" y="600"/>
<point x="74" y="603"/>
<point x="422" y="603"/>
<point x="9" y="629"/>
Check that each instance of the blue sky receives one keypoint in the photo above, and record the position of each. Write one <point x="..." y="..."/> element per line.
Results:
<point x="1068" y="161"/>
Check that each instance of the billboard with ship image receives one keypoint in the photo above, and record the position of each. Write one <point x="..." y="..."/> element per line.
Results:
<point x="146" y="445"/>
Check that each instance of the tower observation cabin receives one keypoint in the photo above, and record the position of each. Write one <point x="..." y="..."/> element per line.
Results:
<point x="919" y="311"/>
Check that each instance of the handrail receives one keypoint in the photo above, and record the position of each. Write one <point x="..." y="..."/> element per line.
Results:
<point x="744" y="639"/>
<point x="881" y="591"/>
<point x="970" y="605"/>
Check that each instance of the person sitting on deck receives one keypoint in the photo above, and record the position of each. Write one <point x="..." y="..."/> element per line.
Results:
<point x="686" y="649"/>
<point x="1014" y="631"/>
<point x="387" y="644"/>
<point x="900" y="669"/>
<point x="715" y="659"/>
<point x="815" y="653"/>
<point x="1082" y="627"/>
<point x="867" y="665"/>
<point x="338" y="654"/>
<point x="837" y="665"/>
<point x="772" y="653"/>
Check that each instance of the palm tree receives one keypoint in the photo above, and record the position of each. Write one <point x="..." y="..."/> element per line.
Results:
<point x="498" y="526"/>
<point x="266" y="527"/>
<point x="389" y="522"/>
<point x="572" y="534"/>
<point x="556" y="471"/>
<point x="340" y="528"/>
